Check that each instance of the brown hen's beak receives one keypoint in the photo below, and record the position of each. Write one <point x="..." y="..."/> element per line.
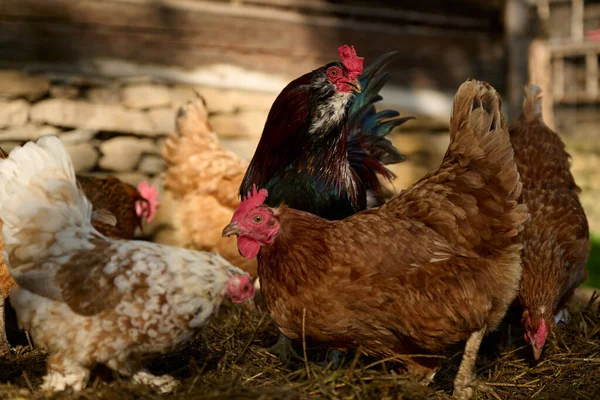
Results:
<point x="231" y="229"/>
<point x="355" y="85"/>
<point x="537" y="352"/>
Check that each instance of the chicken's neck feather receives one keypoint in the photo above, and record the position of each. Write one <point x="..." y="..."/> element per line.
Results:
<point x="288" y="255"/>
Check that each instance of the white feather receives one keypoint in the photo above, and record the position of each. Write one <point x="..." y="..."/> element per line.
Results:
<point x="38" y="186"/>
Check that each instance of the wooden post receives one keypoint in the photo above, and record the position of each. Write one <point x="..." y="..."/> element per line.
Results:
<point x="577" y="7"/>
<point x="540" y="73"/>
<point x="591" y="78"/>
<point x="516" y="17"/>
<point x="558" y="72"/>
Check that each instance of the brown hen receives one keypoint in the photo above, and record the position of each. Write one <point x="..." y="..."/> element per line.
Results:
<point x="204" y="178"/>
<point x="556" y="241"/>
<point x="119" y="209"/>
<point x="436" y="265"/>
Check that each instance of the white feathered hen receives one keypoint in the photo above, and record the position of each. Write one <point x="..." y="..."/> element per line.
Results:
<point x="88" y="299"/>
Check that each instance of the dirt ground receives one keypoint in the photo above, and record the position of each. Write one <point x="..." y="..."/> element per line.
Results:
<point x="227" y="361"/>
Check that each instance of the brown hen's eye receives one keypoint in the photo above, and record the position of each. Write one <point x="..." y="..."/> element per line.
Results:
<point x="257" y="219"/>
<point x="333" y="72"/>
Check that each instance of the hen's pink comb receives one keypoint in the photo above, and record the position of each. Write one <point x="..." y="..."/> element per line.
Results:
<point x="150" y="194"/>
<point x="254" y="199"/>
<point x="351" y="61"/>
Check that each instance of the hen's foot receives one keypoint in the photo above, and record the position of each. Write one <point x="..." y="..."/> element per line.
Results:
<point x="465" y="383"/>
<point x="64" y="374"/>
<point x="333" y="359"/>
<point x="284" y="350"/>
<point x="4" y="346"/>
<point x="163" y="384"/>
<point x="465" y="389"/>
<point x="562" y="316"/>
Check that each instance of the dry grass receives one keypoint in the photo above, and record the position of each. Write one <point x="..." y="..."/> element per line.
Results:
<point x="226" y="361"/>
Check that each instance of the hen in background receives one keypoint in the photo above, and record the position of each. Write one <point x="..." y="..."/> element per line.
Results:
<point x="556" y="241"/>
<point x="122" y="299"/>
<point x="436" y="265"/>
<point x="130" y="206"/>
<point x="204" y="179"/>
<point x="119" y="209"/>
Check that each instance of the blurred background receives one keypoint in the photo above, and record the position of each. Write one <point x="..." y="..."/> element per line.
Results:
<point x="109" y="75"/>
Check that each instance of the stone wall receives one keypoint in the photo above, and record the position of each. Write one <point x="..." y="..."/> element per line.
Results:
<point x="118" y="126"/>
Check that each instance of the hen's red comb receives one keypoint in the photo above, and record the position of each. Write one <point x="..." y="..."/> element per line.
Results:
<point x="351" y="61"/>
<point x="254" y="199"/>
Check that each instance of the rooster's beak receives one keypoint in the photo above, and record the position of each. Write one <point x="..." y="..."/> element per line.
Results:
<point x="355" y="85"/>
<point x="231" y="229"/>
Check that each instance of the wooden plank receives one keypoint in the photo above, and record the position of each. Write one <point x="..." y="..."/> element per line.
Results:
<point x="384" y="12"/>
<point x="575" y="98"/>
<point x="570" y="49"/>
<point x="203" y="35"/>
<point x="591" y="79"/>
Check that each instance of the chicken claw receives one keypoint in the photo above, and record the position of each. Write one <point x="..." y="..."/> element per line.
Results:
<point x="284" y="350"/>
<point x="163" y="384"/>
<point x="465" y="382"/>
<point x="64" y="374"/>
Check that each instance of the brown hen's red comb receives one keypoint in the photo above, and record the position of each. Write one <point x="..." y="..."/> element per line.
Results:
<point x="351" y="61"/>
<point x="254" y="199"/>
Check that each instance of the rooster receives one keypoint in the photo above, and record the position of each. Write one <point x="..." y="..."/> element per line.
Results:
<point x="122" y="298"/>
<point x="556" y="241"/>
<point x="119" y="209"/>
<point x="324" y="145"/>
<point x="436" y="265"/>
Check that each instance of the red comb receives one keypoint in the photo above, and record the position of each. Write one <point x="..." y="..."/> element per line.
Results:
<point x="351" y="61"/>
<point x="254" y="199"/>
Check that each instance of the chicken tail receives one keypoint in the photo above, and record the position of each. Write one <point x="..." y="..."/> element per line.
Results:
<point x="479" y="138"/>
<point x="532" y="105"/>
<point x="369" y="150"/>
<point x="43" y="210"/>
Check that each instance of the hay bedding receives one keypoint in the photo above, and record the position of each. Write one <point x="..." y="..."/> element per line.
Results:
<point x="226" y="361"/>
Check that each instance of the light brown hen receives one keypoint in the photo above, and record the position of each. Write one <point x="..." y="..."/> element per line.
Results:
<point x="204" y="178"/>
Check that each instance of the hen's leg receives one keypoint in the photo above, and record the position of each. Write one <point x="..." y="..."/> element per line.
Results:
<point x="465" y="383"/>
<point x="284" y="350"/>
<point x="4" y="347"/>
<point x="64" y="373"/>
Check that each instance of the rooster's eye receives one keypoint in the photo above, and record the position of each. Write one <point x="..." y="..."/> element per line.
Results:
<point x="333" y="72"/>
<point x="257" y="219"/>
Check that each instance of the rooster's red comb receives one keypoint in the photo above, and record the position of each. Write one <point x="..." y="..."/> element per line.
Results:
<point x="351" y="61"/>
<point x="254" y="199"/>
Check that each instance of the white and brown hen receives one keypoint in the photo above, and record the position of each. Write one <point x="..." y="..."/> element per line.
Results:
<point x="89" y="299"/>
